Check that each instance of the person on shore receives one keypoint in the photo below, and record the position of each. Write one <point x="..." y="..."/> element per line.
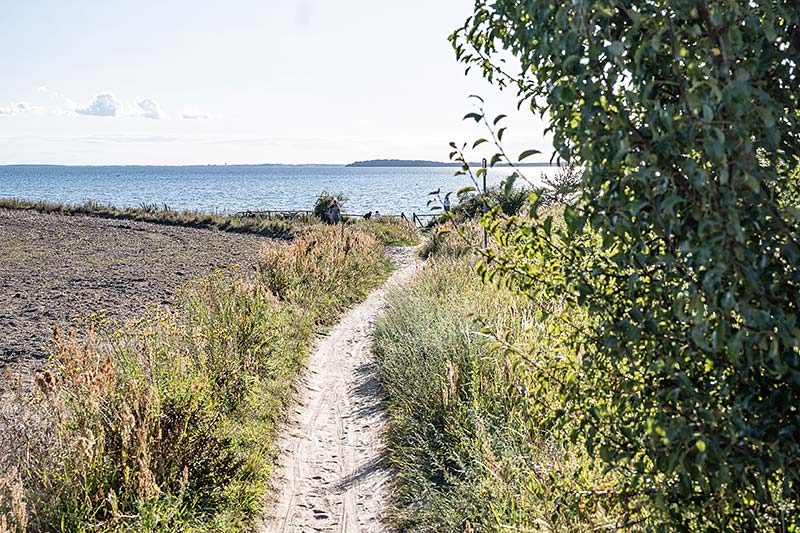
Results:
<point x="376" y="215"/>
<point x="335" y="213"/>
<point x="446" y="204"/>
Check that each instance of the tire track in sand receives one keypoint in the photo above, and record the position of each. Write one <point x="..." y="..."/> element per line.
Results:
<point x="331" y="475"/>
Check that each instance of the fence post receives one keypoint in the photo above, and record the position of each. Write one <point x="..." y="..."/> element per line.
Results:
<point x="485" y="241"/>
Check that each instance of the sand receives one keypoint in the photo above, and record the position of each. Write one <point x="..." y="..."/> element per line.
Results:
<point x="332" y="474"/>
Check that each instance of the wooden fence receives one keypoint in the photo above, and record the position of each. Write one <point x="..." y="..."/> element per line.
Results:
<point x="420" y="220"/>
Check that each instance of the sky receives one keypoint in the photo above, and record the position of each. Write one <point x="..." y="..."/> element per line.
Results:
<point x="177" y="82"/>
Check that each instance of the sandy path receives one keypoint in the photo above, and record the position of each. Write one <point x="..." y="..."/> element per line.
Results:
<point x="331" y="476"/>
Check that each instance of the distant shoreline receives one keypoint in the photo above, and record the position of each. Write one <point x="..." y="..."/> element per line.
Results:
<point x="248" y="165"/>
<point x="421" y="163"/>
<point x="373" y="163"/>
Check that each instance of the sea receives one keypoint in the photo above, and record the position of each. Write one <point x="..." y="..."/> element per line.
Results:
<point x="227" y="189"/>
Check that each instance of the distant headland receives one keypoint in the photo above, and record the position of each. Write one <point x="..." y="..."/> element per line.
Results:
<point x="424" y="163"/>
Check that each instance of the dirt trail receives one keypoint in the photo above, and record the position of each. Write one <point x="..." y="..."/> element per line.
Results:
<point x="331" y="476"/>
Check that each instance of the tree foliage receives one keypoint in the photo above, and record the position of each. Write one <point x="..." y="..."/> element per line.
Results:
<point x="323" y="203"/>
<point x="683" y="248"/>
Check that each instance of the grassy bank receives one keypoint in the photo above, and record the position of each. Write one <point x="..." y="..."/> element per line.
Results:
<point x="164" y="215"/>
<point x="388" y="231"/>
<point x="459" y="359"/>
<point x="391" y="231"/>
<point x="168" y="423"/>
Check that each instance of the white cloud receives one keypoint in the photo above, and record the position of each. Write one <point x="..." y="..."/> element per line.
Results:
<point x="104" y="105"/>
<point x="19" y="108"/>
<point x="57" y="104"/>
<point x="150" y="109"/>
<point x="194" y="116"/>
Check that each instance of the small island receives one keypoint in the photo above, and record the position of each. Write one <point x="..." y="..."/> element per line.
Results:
<point x="424" y="163"/>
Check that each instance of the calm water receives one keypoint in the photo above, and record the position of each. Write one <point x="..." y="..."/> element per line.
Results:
<point x="234" y="188"/>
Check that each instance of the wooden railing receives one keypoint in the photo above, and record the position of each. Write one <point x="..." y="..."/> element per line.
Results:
<point x="270" y="213"/>
<point x="420" y="220"/>
<point x="423" y="219"/>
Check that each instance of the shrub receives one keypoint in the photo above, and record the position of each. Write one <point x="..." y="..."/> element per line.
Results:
<point x="509" y="197"/>
<point x="324" y="202"/>
<point x="682" y="251"/>
<point x="563" y="188"/>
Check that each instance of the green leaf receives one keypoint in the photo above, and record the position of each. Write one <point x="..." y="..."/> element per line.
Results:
<point x="478" y="143"/>
<point x="527" y="153"/>
<point x="616" y="48"/>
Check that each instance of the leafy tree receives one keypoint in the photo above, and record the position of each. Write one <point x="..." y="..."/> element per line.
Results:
<point x="324" y="202"/>
<point x="681" y="253"/>
<point x="509" y="199"/>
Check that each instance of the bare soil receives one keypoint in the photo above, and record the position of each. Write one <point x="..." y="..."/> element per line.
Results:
<point x="55" y="268"/>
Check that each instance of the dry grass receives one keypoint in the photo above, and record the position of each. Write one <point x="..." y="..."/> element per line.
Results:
<point x="334" y="257"/>
<point x="391" y="231"/>
<point x="13" y="509"/>
<point x="168" y="423"/>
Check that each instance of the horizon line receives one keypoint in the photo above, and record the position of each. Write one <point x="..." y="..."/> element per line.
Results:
<point x="440" y="164"/>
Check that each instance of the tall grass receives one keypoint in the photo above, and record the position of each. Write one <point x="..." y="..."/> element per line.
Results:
<point x="459" y="361"/>
<point x="392" y="231"/>
<point x="168" y="422"/>
<point x="389" y="231"/>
